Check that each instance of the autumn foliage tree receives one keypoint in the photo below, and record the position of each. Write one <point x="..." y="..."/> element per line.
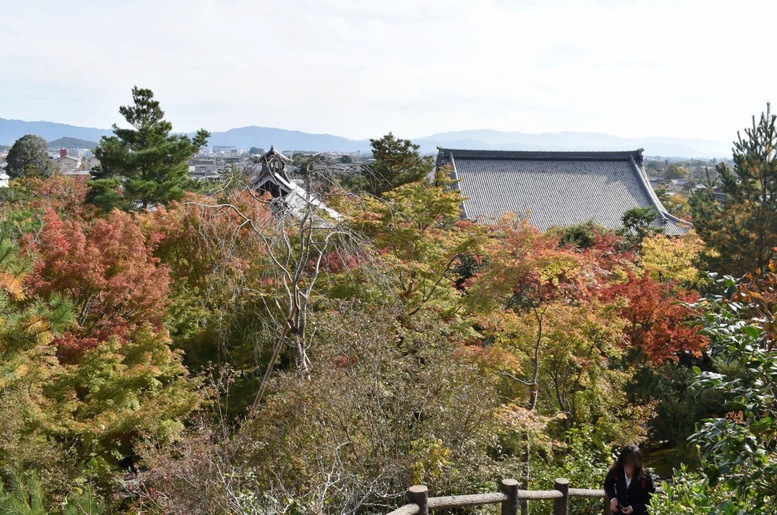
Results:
<point x="672" y="259"/>
<point x="421" y="239"/>
<point x="107" y="269"/>
<point x="61" y="194"/>
<point x="112" y="376"/>
<point x="27" y="365"/>
<point x="659" y="320"/>
<point x="527" y="302"/>
<point x="527" y="272"/>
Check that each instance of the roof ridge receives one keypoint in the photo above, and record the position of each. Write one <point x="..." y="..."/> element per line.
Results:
<point x="545" y="154"/>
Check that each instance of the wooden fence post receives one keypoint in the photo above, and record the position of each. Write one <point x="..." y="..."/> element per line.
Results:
<point x="509" y="487"/>
<point x="419" y="494"/>
<point x="561" y="506"/>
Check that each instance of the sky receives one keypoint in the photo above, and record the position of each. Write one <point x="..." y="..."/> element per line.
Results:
<point x="362" y="68"/>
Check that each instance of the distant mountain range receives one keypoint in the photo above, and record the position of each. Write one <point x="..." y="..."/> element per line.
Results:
<point x="63" y="135"/>
<point x="487" y="139"/>
<point x="11" y="130"/>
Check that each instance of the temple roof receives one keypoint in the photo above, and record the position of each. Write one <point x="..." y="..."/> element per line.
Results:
<point x="287" y="194"/>
<point x="555" y="188"/>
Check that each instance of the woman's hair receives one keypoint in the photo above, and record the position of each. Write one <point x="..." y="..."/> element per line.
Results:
<point x="630" y="455"/>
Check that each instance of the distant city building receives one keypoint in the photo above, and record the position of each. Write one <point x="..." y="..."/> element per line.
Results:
<point x="228" y="150"/>
<point x="89" y="162"/>
<point x="203" y="164"/>
<point x="65" y="163"/>
<point x="211" y="165"/>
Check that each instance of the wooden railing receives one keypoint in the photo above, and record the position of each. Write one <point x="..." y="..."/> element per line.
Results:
<point x="508" y="496"/>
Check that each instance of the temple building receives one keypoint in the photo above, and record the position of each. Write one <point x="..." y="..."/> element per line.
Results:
<point x="555" y="188"/>
<point x="271" y="177"/>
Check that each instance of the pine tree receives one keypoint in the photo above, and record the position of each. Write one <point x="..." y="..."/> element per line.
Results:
<point x="145" y="165"/>
<point x="397" y="162"/>
<point x="741" y="230"/>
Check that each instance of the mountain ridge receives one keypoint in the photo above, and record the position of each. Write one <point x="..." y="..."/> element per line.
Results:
<point x="480" y="139"/>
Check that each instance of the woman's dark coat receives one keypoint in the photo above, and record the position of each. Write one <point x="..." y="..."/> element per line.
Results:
<point x="637" y="495"/>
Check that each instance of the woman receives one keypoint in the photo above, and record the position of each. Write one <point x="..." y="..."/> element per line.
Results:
<point x="627" y="485"/>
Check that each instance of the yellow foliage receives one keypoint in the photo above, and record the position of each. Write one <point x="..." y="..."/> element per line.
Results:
<point x="519" y="418"/>
<point x="432" y="459"/>
<point x="13" y="284"/>
<point x="672" y="259"/>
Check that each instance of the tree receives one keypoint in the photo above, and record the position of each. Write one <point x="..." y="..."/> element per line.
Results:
<point x="739" y="444"/>
<point x="533" y="300"/>
<point x="741" y="230"/>
<point x="147" y="162"/>
<point x="582" y="235"/>
<point x="256" y="151"/>
<point x="657" y="317"/>
<point x="672" y="259"/>
<point x="676" y="204"/>
<point x="638" y="225"/>
<point x="284" y="250"/>
<point x="96" y="299"/>
<point x="107" y="270"/>
<point x="676" y="172"/>
<point x="422" y="240"/>
<point x="397" y="162"/>
<point x="27" y="365"/>
<point x="120" y="392"/>
<point x="526" y="273"/>
<point x="29" y="157"/>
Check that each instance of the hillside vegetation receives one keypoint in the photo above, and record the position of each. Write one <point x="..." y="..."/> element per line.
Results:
<point x="67" y="142"/>
<point x="213" y="352"/>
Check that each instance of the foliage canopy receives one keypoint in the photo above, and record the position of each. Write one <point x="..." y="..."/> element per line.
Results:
<point x="741" y="229"/>
<point x="145" y="165"/>
<point x="28" y="157"/>
<point x="397" y="162"/>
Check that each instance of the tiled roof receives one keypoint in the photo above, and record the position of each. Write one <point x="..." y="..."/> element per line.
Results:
<point x="293" y="198"/>
<point x="555" y="188"/>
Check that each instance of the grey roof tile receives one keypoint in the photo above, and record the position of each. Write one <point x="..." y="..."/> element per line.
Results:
<point x="555" y="188"/>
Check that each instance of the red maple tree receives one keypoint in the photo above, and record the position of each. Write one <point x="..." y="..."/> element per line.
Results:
<point x="660" y="322"/>
<point x="107" y="269"/>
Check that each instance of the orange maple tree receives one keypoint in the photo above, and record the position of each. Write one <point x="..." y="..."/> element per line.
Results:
<point x="659" y="319"/>
<point x="107" y="269"/>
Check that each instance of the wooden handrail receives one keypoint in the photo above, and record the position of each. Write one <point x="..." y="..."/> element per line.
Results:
<point x="508" y="496"/>
<point x="438" y="503"/>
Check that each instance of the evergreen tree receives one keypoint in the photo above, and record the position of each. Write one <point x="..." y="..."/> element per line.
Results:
<point x="638" y="225"/>
<point x="145" y="165"/>
<point x="741" y="230"/>
<point x="28" y="157"/>
<point x="397" y="162"/>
